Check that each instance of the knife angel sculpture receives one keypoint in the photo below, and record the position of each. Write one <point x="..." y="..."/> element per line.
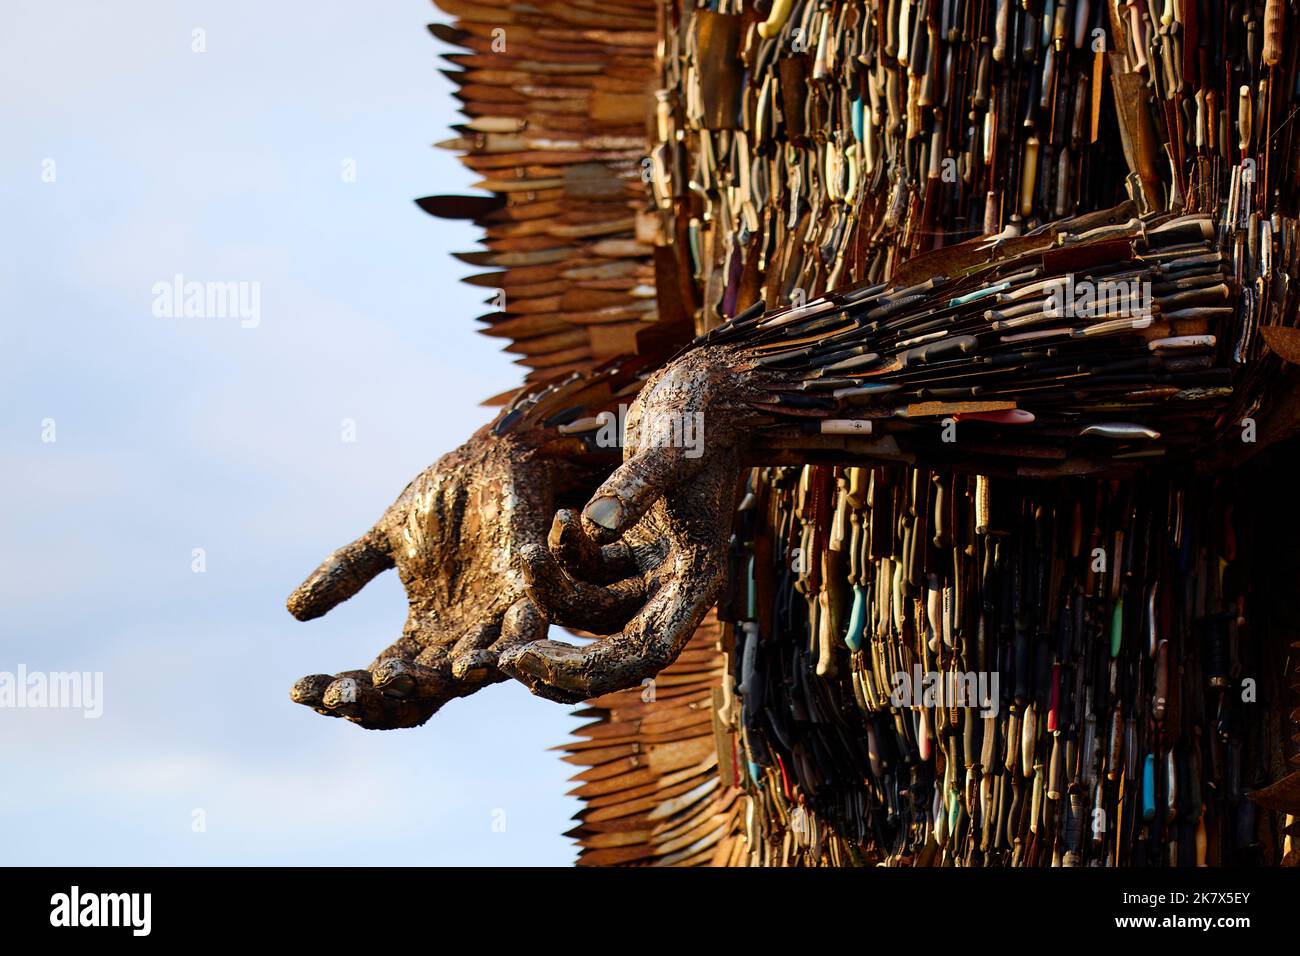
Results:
<point x="907" y="393"/>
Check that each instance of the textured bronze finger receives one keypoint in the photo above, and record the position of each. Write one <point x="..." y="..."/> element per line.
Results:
<point x="649" y="643"/>
<point x="356" y="698"/>
<point x="341" y="575"/>
<point x="309" y="690"/>
<point x="572" y="603"/>
<point x="582" y="556"/>
<point x="401" y="680"/>
<point x="550" y="669"/>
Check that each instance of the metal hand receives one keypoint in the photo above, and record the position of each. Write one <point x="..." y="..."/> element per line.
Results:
<point x="645" y="561"/>
<point x="452" y="535"/>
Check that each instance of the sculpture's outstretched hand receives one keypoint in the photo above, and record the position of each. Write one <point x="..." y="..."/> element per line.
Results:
<point x="645" y="560"/>
<point x="988" y="333"/>
<point x="1011" y="338"/>
<point x="452" y="535"/>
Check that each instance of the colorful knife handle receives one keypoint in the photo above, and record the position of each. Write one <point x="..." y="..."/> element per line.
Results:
<point x="1056" y="768"/>
<point x="776" y="19"/>
<point x="857" y="619"/>
<point x="1149" y="787"/>
<point x="1117" y="627"/>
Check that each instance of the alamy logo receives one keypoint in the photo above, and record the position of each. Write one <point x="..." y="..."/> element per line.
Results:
<point x="946" y="689"/>
<point x="57" y="690"/>
<point x="1121" y="298"/>
<point x="103" y="909"/>
<point x="180" y="299"/>
<point x="669" y="430"/>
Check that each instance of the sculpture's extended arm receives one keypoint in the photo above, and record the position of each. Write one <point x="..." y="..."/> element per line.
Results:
<point x="1010" y="364"/>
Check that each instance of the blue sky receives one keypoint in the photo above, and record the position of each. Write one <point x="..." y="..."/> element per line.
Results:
<point x="181" y="433"/>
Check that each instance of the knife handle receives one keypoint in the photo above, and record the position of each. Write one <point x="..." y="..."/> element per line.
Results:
<point x="938" y="351"/>
<point x="1244" y="118"/>
<point x="904" y="31"/>
<point x="971" y="737"/>
<point x="1060" y="25"/>
<point x="992" y="213"/>
<point x="1274" y="13"/>
<point x="1115" y="747"/>
<point x="775" y="19"/>
<point x="1161" y="699"/>
<point x="1149" y="788"/>
<point x="939" y="514"/>
<point x="825" y="634"/>
<point x="1013" y="735"/>
<point x="1082" y="19"/>
<point x="1138" y="34"/>
<point x="988" y="753"/>
<point x="1028" y="740"/>
<point x="1036" y="799"/>
<point x="1117" y="627"/>
<point x="1074" y="828"/>
<point x="857" y="619"/>
<point x="1055" y="769"/>
<point x="1028" y="176"/>
<point x="983" y="504"/>
<point x="1000" y="30"/>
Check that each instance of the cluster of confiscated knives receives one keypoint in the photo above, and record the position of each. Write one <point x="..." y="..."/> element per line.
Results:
<point x="920" y="189"/>
<point x="1131" y="710"/>
<point x="806" y="145"/>
<point x="1007" y="366"/>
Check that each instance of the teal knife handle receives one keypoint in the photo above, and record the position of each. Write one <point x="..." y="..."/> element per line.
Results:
<point x="1117" y="627"/>
<point x="1149" y="788"/>
<point x="857" y="618"/>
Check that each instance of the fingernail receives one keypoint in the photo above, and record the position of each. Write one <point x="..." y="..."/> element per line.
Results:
<point x="392" y="679"/>
<point x="308" y="690"/>
<point x="343" y="691"/>
<point x="606" y="512"/>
